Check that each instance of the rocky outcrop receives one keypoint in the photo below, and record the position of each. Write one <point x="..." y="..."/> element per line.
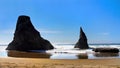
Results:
<point x="26" y="37"/>
<point x="108" y="50"/>
<point x="99" y="54"/>
<point x="82" y="42"/>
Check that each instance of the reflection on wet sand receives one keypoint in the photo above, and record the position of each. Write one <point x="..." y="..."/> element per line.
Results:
<point x="106" y="54"/>
<point x="82" y="56"/>
<point x="21" y="54"/>
<point x="27" y="54"/>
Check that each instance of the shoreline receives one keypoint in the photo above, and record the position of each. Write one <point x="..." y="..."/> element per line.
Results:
<point x="57" y="63"/>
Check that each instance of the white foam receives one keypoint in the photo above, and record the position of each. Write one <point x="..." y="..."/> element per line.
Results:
<point x="2" y="48"/>
<point x="66" y="49"/>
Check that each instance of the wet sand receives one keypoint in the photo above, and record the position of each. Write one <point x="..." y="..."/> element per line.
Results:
<point x="50" y="63"/>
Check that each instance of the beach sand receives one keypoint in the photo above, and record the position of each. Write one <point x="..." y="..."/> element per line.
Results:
<point x="50" y="63"/>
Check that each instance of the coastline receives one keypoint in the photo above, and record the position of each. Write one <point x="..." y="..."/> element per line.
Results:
<point x="56" y="63"/>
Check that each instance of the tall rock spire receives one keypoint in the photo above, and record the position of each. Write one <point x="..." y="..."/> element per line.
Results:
<point x="26" y="37"/>
<point x="82" y="42"/>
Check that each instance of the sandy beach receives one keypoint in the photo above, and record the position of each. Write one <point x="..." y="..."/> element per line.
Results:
<point x="49" y="63"/>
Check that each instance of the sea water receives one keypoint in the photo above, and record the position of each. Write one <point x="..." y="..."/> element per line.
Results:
<point x="63" y="51"/>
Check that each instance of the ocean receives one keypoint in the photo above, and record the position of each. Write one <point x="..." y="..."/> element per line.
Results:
<point x="63" y="51"/>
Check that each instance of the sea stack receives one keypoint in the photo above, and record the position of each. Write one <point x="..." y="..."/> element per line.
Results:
<point x="82" y="42"/>
<point x="26" y="37"/>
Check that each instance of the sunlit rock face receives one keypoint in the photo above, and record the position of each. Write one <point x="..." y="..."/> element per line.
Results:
<point x="26" y="37"/>
<point x="82" y="42"/>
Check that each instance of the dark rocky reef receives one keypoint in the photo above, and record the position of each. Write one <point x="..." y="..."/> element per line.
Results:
<point x="26" y="37"/>
<point x="99" y="54"/>
<point x="82" y="42"/>
<point x="108" y="50"/>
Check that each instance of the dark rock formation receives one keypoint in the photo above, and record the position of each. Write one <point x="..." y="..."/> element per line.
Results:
<point x="99" y="54"/>
<point x="108" y="50"/>
<point x="26" y="37"/>
<point x="82" y="42"/>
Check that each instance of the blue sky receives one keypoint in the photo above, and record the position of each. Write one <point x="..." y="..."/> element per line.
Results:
<point x="59" y="21"/>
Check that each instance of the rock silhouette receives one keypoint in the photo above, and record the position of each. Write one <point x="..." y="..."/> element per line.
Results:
<point x="26" y="37"/>
<point x="82" y="42"/>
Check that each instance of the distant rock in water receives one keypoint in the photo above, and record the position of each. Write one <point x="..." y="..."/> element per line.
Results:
<point x="26" y="37"/>
<point x="82" y="42"/>
<point x="108" y="50"/>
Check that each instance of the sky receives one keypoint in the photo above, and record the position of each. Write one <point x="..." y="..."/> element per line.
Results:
<point x="59" y="21"/>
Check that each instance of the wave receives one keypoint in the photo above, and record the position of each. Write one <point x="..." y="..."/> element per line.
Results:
<point x="90" y="45"/>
